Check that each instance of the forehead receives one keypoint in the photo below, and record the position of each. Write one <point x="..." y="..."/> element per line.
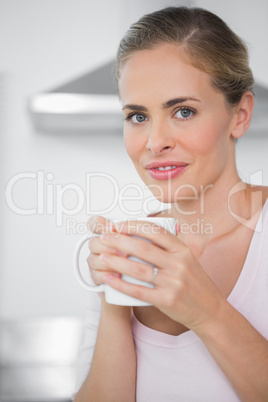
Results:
<point x="161" y="72"/>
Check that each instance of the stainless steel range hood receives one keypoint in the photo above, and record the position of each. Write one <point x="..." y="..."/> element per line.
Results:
<point x="88" y="102"/>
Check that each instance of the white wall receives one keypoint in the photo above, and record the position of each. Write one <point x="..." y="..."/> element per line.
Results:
<point x="42" y="45"/>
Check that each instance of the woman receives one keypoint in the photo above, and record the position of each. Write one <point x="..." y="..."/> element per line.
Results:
<point x="186" y="93"/>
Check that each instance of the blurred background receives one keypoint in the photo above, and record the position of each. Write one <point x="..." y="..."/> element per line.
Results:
<point x="63" y="160"/>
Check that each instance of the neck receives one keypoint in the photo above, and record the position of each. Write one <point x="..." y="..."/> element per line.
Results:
<point x="218" y="210"/>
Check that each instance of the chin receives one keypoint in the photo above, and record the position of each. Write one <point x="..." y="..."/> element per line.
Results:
<point x="174" y="192"/>
<point x="169" y="196"/>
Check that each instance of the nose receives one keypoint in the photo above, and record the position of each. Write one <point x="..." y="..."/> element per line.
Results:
<point x="160" y="139"/>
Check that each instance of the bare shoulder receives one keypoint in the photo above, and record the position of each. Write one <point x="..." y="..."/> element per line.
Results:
<point x="265" y="194"/>
<point x="262" y="192"/>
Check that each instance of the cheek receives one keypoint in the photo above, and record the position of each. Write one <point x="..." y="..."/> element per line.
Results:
<point x="128" y="145"/>
<point x="134" y="146"/>
<point x="211" y="139"/>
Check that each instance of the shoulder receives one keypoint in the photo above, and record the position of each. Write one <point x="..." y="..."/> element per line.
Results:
<point x="265" y="208"/>
<point x="265" y="194"/>
<point x="258" y="196"/>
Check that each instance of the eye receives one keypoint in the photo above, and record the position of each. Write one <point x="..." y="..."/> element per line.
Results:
<point x="136" y="118"/>
<point x="184" y="113"/>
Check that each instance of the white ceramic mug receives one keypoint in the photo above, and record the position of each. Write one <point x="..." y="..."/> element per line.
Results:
<point x="113" y="296"/>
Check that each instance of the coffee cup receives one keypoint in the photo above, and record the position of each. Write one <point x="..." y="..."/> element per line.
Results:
<point x="113" y="296"/>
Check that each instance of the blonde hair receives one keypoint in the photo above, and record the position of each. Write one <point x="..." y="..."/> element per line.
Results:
<point x="206" y="42"/>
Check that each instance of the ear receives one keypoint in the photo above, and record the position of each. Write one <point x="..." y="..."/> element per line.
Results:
<point x="243" y="113"/>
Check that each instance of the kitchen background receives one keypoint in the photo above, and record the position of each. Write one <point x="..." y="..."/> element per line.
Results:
<point x="48" y="167"/>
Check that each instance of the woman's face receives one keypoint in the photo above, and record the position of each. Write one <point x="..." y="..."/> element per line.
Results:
<point x="177" y="128"/>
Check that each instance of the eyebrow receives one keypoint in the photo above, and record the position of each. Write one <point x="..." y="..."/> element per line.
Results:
<point x="165" y="105"/>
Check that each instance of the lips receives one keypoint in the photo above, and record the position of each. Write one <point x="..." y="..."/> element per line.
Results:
<point x="166" y="170"/>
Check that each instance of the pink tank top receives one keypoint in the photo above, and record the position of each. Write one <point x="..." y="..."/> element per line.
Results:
<point x="179" y="368"/>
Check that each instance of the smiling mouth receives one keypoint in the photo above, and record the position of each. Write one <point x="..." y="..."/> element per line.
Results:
<point x="166" y="170"/>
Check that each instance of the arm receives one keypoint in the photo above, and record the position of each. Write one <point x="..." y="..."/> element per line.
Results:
<point x="240" y="351"/>
<point x="112" y="376"/>
<point x="185" y="293"/>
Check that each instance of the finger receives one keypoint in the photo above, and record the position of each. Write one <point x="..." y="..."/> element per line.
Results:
<point x="137" y="247"/>
<point x="97" y="269"/>
<point x="149" y="295"/>
<point x="94" y="262"/>
<point x="98" y="224"/>
<point x="98" y="276"/>
<point x="151" y="231"/>
<point x="97" y="247"/>
<point x="125" y="266"/>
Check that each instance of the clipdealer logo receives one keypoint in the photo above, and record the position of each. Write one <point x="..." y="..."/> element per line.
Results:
<point x="50" y="199"/>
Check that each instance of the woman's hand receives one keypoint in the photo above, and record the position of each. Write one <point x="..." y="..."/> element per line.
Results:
<point x="182" y="289"/>
<point x="99" y="225"/>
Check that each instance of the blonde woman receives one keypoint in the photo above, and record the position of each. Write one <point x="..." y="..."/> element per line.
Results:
<point x="186" y="93"/>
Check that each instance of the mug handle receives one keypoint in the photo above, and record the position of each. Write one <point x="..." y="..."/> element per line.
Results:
<point x="79" y="276"/>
